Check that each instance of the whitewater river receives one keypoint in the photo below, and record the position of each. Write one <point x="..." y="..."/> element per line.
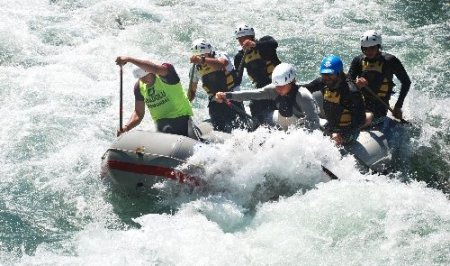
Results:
<point x="59" y="95"/>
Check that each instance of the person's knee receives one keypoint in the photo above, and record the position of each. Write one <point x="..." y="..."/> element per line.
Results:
<point x="368" y="121"/>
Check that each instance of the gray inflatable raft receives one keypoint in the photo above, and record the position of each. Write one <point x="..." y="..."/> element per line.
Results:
<point x="371" y="148"/>
<point x="140" y="159"/>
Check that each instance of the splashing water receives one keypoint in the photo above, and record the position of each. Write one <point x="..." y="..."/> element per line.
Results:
<point x="59" y="100"/>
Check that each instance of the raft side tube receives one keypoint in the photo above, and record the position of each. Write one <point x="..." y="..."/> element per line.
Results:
<point x="142" y="158"/>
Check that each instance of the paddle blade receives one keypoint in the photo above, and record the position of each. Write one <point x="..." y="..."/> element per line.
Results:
<point x="329" y="173"/>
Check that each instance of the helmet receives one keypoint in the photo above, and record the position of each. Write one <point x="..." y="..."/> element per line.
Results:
<point x="331" y="64"/>
<point x="370" y="38"/>
<point x="140" y="73"/>
<point x="244" y="30"/>
<point x="201" y="46"/>
<point x="283" y="74"/>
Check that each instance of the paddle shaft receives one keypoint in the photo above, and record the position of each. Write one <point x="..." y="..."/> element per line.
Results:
<point x="121" y="100"/>
<point x="240" y="70"/>
<point x="195" y="130"/>
<point x="191" y="76"/>
<point x="238" y="109"/>
<point x="369" y="90"/>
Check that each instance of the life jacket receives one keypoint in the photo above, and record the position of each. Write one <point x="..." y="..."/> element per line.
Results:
<point x="216" y="80"/>
<point x="259" y="69"/>
<point x="336" y="110"/>
<point x="165" y="100"/>
<point x="287" y="103"/>
<point x="375" y="75"/>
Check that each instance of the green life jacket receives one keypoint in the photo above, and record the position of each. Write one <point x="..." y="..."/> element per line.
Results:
<point x="165" y="100"/>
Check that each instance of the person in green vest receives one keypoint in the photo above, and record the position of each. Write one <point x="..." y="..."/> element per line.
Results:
<point x="159" y="88"/>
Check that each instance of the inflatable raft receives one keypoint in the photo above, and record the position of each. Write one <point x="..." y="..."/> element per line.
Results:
<point x="371" y="148"/>
<point x="140" y="159"/>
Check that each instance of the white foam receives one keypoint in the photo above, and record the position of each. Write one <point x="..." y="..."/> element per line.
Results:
<point x="59" y="100"/>
<point x="348" y="222"/>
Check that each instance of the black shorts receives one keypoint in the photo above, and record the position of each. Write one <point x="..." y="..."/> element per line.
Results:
<point x="178" y="125"/>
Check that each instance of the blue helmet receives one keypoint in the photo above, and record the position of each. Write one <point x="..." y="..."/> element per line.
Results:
<point x="331" y="64"/>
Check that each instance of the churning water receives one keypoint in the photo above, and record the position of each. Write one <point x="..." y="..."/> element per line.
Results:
<point x="59" y="104"/>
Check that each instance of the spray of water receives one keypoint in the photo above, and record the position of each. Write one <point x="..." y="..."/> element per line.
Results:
<point x="59" y="100"/>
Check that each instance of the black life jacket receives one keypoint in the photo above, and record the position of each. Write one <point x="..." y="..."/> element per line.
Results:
<point x="259" y="69"/>
<point x="374" y="72"/>
<point x="216" y="80"/>
<point x="287" y="103"/>
<point x="336" y="109"/>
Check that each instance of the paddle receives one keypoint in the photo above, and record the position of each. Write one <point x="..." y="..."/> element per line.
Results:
<point x="240" y="70"/>
<point x="194" y="127"/>
<point x="329" y="173"/>
<point x="369" y="90"/>
<point x="238" y="109"/>
<point x="191" y="77"/>
<point x="121" y="100"/>
<point x="242" y="112"/>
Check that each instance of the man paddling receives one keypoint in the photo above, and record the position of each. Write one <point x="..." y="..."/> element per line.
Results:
<point x="373" y="73"/>
<point x="290" y="99"/>
<point x="159" y="88"/>
<point x="342" y="101"/>
<point x="259" y="57"/>
<point x="217" y="73"/>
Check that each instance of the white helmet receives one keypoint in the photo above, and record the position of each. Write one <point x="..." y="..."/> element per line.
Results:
<point x="370" y="38"/>
<point x="201" y="46"/>
<point x="244" y="30"/>
<point x="283" y="74"/>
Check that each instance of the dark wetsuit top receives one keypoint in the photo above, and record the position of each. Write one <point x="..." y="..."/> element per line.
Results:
<point x="380" y="80"/>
